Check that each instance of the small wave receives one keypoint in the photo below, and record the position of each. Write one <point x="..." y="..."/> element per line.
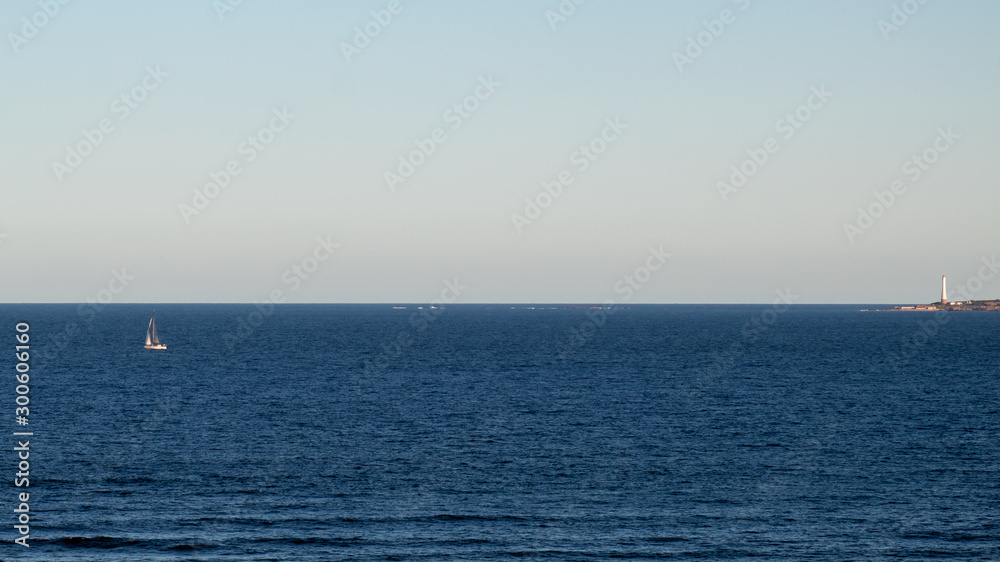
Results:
<point x="125" y="480"/>
<point x="460" y="517"/>
<point x="321" y="541"/>
<point x="438" y="517"/>
<point x="234" y="520"/>
<point x="104" y="542"/>
<point x="950" y="537"/>
<point x="93" y="542"/>
<point x="194" y="545"/>
<point x="967" y="537"/>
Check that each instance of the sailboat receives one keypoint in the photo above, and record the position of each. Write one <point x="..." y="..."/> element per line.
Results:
<point x="153" y="342"/>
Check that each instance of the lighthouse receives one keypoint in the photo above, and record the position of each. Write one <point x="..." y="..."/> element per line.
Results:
<point x="944" y="290"/>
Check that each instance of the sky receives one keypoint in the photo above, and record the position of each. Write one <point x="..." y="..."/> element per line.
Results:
<point x="395" y="151"/>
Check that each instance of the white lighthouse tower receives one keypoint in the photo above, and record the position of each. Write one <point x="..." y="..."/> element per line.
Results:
<point x="944" y="290"/>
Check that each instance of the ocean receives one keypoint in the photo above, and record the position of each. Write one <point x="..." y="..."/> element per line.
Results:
<point x="499" y="432"/>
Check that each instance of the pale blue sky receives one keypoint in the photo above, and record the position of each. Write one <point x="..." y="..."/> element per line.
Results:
<point x="656" y="185"/>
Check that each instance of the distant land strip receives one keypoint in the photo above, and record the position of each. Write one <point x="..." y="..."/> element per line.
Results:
<point x="969" y="306"/>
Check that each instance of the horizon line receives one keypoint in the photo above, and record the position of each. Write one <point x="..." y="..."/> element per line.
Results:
<point x="444" y="305"/>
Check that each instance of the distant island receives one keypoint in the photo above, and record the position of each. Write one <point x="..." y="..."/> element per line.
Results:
<point x="993" y="305"/>
<point x="945" y="304"/>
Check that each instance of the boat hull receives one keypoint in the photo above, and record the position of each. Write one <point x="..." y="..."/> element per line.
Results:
<point x="158" y="346"/>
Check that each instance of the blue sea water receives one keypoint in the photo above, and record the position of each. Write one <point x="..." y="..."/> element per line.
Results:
<point x="488" y="432"/>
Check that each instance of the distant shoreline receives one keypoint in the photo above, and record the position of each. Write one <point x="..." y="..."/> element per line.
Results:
<point x="966" y="306"/>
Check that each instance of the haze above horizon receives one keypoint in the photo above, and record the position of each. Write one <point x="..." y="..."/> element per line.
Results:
<point x="545" y="152"/>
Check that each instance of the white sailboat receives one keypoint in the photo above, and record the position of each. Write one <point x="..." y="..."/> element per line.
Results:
<point x="153" y="342"/>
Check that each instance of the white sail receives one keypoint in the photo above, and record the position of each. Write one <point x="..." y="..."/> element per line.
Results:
<point x="152" y="341"/>
<point x="152" y="331"/>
